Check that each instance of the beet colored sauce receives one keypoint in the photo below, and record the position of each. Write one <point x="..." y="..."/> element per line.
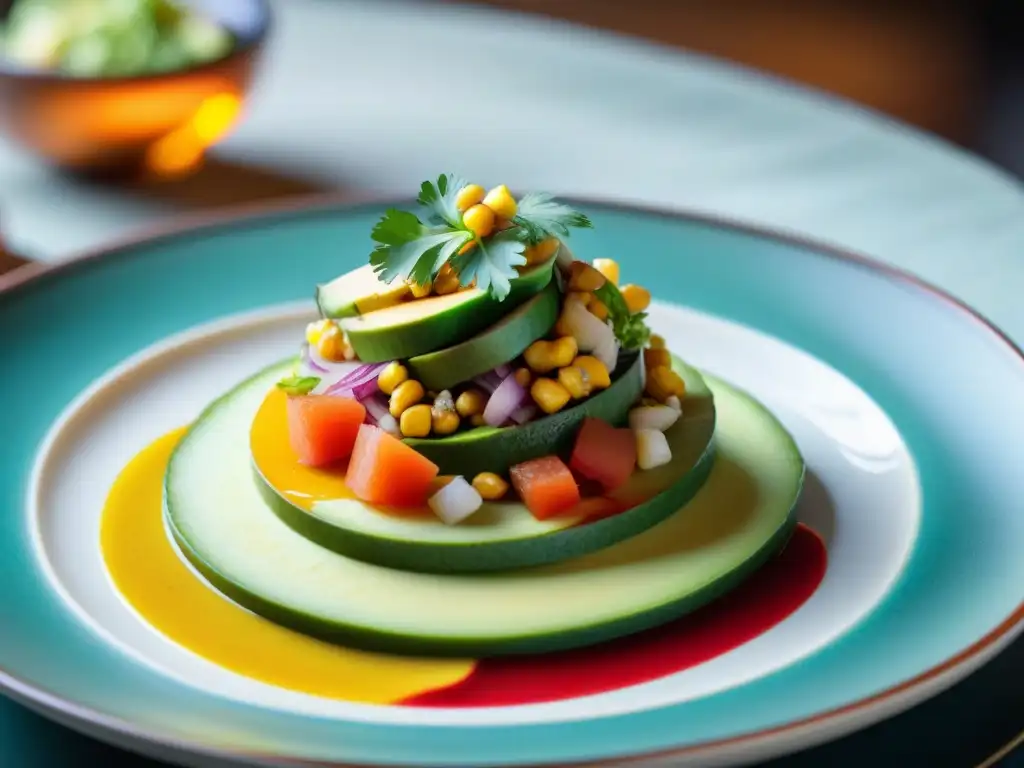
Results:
<point x="764" y="600"/>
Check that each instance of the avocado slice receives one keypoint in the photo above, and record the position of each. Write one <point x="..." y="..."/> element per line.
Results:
<point x="742" y="516"/>
<point x="504" y="535"/>
<point x="418" y="326"/>
<point x="358" y="292"/>
<point x="506" y="339"/>
<point x="495" y="449"/>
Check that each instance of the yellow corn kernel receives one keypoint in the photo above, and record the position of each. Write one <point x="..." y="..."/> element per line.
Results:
<point x="332" y="345"/>
<point x="549" y="395"/>
<point x="561" y="326"/>
<point x="446" y="281"/>
<point x="471" y="403"/>
<point x="523" y="377"/>
<point x="654" y="358"/>
<point x="637" y="299"/>
<point x="405" y="396"/>
<point x="538" y="357"/>
<point x="490" y="486"/>
<point x="394" y="373"/>
<point x="563" y="350"/>
<point x="415" y="421"/>
<point x="316" y="329"/>
<point x="444" y="422"/>
<point x="421" y="291"/>
<point x="596" y="371"/>
<point x="656" y="342"/>
<point x="500" y="201"/>
<point x="598" y="309"/>
<point x="477" y="420"/>
<point x="576" y="381"/>
<point x="609" y="268"/>
<point x="542" y="251"/>
<point x="479" y="220"/>
<point x="583" y="277"/>
<point x="467" y="247"/>
<point x="468" y="196"/>
<point x="663" y="382"/>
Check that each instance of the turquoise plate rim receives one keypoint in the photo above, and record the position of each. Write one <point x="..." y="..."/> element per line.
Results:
<point x="125" y="732"/>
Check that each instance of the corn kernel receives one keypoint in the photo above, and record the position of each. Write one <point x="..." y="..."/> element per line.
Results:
<point x="479" y="220"/>
<point x="576" y="381"/>
<point x="468" y="196"/>
<point x="542" y="251"/>
<point x="447" y="281"/>
<point x="523" y="377"/>
<point x="500" y="201"/>
<point x="405" y="396"/>
<point x="656" y="341"/>
<point x="598" y="309"/>
<point x="663" y="382"/>
<point x="581" y="297"/>
<point x="415" y="421"/>
<point x="421" y="291"/>
<point x="467" y="247"/>
<point x="316" y="329"/>
<point x="596" y="371"/>
<point x="609" y="268"/>
<point x="394" y="373"/>
<point x="637" y="299"/>
<point x="544" y="356"/>
<point x="444" y="422"/>
<point x="490" y="486"/>
<point x="657" y="357"/>
<point x="583" y="277"/>
<point x="562" y="326"/>
<point x="332" y="344"/>
<point x="563" y="350"/>
<point x="477" y="420"/>
<point x="470" y="403"/>
<point x="549" y="395"/>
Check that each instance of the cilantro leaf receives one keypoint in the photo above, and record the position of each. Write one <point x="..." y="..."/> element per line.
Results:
<point x="492" y="264"/>
<point x="630" y="329"/>
<point x="439" y="200"/>
<point x="541" y="217"/>
<point x="409" y="250"/>
<point x="298" y="385"/>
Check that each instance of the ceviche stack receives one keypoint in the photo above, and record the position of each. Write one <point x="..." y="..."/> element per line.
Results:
<point x="476" y="402"/>
<point x="475" y="321"/>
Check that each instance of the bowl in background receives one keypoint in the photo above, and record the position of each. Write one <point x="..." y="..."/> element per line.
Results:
<point x="157" y="123"/>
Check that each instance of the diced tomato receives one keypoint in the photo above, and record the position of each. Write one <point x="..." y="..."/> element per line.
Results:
<point x="322" y="429"/>
<point x="596" y="508"/>
<point x="546" y="486"/>
<point x="384" y="470"/>
<point x="604" y="453"/>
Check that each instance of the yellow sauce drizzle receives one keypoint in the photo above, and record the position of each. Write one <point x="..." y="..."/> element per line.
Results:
<point x="152" y="578"/>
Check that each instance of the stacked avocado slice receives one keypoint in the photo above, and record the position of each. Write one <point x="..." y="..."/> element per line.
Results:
<point x="505" y="580"/>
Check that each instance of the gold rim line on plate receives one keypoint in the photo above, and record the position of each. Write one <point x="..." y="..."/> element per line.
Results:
<point x="1003" y="751"/>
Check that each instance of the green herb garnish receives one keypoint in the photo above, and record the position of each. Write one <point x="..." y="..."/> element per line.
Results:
<point x="298" y="385"/>
<point x="630" y="329"/>
<point x="415" y="250"/>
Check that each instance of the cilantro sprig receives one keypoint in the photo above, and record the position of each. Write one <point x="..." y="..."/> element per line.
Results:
<point x="630" y="329"/>
<point x="298" y="385"/>
<point x="414" y="249"/>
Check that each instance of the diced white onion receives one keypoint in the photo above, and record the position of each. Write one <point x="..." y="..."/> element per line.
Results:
<point x="674" y="403"/>
<point x="389" y="424"/>
<point x="651" y="449"/>
<point x="590" y="333"/>
<point x="564" y="257"/>
<point x="608" y="353"/>
<point x="455" y="502"/>
<point x="659" y="417"/>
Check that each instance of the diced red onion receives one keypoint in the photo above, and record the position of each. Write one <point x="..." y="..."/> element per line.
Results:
<point x="360" y="383"/>
<point x="524" y="413"/>
<point x="503" y="370"/>
<point x="311" y="360"/>
<point x="503" y="402"/>
<point x="376" y="408"/>
<point x="488" y="382"/>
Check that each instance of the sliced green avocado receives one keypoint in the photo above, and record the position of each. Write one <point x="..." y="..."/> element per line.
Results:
<point x="358" y="292"/>
<point x="504" y="535"/>
<point x="495" y="449"/>
<point x="741" y="517"/>
<point x="423" y="325"/>
<point x="506" y="339"/>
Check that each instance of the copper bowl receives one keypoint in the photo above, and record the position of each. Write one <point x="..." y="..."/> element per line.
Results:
<point x="158" y="123"/>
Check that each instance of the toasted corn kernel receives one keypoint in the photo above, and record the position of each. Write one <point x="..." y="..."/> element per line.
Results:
<point x="549" y="395"/>
<point x="490" y="486"/>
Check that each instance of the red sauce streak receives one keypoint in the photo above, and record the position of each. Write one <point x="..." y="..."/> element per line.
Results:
<point x="764" y="600"/>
